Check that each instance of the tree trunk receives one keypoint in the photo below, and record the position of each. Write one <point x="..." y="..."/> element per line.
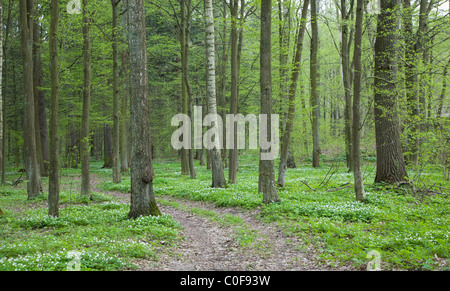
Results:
<point x="266" y="166"/>
<point x="356" y="130"/>
<point x="124" y="162"/>
<point x="184" y="96"/>
<point x="314" y="72"/>
<point x="143" y="202"/>
<point x="53" y="187"/>
<point x="116" y="122"/>
<point x="2" y="103"/>
<point x="286" y="137"/>
<point x="39" y="102"/>
<point x="31" y="163"/>
<point x="85" y="134"/>
<point x="390" y="163"/>
<point x="444" y="89"/>
<point x="218" y="176"/>
<point x="346" y="78"/>
<point x="233" y="151"/>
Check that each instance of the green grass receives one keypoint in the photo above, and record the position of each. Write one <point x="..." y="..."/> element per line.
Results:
<point x="98" y="231"/>
<point x="409" y="231"/>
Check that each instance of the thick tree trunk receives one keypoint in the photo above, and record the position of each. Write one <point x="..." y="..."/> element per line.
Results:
<point x="314" y="72"/>
<point x="143" y="202"/>
<point x="390" y="162"/>
<point x="31" y="163"/>
<point x="266" y="166"/>
<point x="53" y="187"/>
<point x="85" y="133"/>
<point x="356" y="130"/>
<point x="286" y="138"/>
<point x="116" y="122"/>
<point x="218" y="176"/>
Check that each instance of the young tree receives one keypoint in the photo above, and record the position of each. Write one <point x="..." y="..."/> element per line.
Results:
<point x="234" y="94"/>
<point x="31" y="163"/>
<point x="143" y="202"/>
<point x="218" y="176"/>
<point x="314" y="79"/>
<point x="390" y="163"/>
<point x="116" y="136"/>
<point x="85" y="131"/>
<point x="125" y="96"/>
<point x="286" y="138"/>
<point x="53" y="187"/>
<point x="2" y="132"/>
<point x="356" y="130"/>
<point x="266" y="166"/>
<point x="346" y="37"/>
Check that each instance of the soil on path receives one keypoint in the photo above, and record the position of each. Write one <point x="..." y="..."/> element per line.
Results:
<point x="208" y="245"/>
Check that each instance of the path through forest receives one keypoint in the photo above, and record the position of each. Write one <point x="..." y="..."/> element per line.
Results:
<point x="227" y="239"/>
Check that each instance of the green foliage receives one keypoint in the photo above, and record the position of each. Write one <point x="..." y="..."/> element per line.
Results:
<point x="408" y="230"/>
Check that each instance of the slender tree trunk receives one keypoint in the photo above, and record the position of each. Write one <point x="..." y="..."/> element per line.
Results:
<point x="223" y="82"/>
<point x="184" y="93"/>
<point x="116" y="122"/>
<point x="218" y="176"/>
<point x="2" y="101"/>
<point x="286" y="138"/>
<point x="346" y="78"/>
<point x="39" y="102"/>
<point x="390" y="163"/>
<point x="124" y="163"/>
<point x="266" y="166"/>
<point x="85" y="131"/>
<point x="31" y="164"/>
<point x="314" y="72"/>
<point x="233" y="151"/>
<point x="53" y="188"/>
<point x="444" y="89"/>
<point x="356" y="130"/>
<point x="143" y="202"/>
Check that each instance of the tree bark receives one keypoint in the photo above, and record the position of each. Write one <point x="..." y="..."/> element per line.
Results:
<point x="314" y="72"/>
<point x="218" y="176"/>
<point x="53" y="187"/>
<point x="346" y="79"/>
<point x="234" y="98"/>
<point x="39" y="102"/>
<point x="124" y="161"/>
<point x="2" y="102"/>
<point x="286" y="137"/>
<point x="85" y="131"/>
<point x="184" y="93"/>
<point x="116" y="122"/>
<point x="390" y="162"/>
<point x="143" y="202"/>
<point x="356" y="130"/>
<point x="266" y="166"/>
<point x="31" y="164"/>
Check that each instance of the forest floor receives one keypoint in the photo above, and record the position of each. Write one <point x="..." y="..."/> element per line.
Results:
<point x="210" y="243"/>
<point x="319" y="227"/>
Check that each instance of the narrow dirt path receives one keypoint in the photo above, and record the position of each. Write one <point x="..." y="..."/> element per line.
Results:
<point x="209" y="245"/>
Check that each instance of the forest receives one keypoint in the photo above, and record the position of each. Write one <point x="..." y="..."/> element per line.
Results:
<point x="233" y="135"/>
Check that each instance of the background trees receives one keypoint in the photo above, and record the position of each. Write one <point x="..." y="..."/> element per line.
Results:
<point x="402" y="90"/>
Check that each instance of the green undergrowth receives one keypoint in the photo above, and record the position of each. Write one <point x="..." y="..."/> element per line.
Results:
<point x="410" y="232"/>
<point x="90" y="234"/>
